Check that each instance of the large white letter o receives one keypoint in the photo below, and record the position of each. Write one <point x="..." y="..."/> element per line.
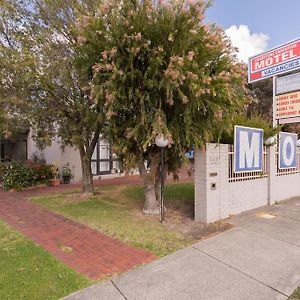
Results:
<point x="288" y="160"/>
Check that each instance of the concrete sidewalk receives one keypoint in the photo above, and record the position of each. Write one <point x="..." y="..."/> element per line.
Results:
<point x="258" y="259"/>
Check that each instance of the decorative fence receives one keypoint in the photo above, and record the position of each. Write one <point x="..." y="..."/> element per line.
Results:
<point x="234" y="177"/>
<point x="296" y="170"/>
<point x="219" y="192"/>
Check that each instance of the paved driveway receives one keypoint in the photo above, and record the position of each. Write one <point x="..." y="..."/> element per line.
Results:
<point x="258" y="259"/>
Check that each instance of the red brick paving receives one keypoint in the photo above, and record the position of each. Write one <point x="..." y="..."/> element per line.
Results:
<point x="92" y="253"/>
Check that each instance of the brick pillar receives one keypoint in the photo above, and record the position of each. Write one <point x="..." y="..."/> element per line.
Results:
<point x="208" y="173"/>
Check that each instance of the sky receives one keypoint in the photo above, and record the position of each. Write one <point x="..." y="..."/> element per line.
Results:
<point x="255" y="26"/>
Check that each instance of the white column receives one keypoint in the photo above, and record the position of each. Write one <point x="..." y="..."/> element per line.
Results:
<point x="207" y="184"/>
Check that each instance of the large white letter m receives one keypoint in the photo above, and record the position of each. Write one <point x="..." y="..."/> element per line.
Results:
<point x="249" y="154"/>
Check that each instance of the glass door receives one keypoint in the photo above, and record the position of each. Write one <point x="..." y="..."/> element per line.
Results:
<point x="101" y="159"/>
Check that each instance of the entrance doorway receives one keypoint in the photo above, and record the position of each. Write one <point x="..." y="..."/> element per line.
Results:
<point x="103" y="161"/>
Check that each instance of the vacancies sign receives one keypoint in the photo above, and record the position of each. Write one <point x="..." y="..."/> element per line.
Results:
<point x="277" y="61"/>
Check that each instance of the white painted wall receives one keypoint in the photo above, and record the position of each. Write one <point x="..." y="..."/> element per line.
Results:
<point x="54" y="154"/>
<point x="229" y="198"/>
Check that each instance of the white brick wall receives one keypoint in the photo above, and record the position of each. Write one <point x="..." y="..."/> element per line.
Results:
<point x="216" y="198"/>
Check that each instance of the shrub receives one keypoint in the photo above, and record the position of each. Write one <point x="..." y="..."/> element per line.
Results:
<point x="18" y="175"/>
<point x="3" y="168"/>
<point x="43" y="172"/>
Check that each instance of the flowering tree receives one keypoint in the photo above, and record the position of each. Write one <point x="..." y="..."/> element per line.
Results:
<point x="161" y="71"/>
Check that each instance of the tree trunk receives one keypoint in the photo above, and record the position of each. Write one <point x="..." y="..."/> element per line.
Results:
<point x="151" y="206"/>
<point x="87" y="175"/>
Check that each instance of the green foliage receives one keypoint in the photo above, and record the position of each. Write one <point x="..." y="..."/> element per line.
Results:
<point x="42" y="173"/>
<point x="255" y="121"/>
<point x="66" y="170"/>
<point x="295" y="295"/>
<point x="17" y="175"/>
<point x="38" y="43"/>
<point x="262" y="92"/>
<point x="160" y="70"/>
<point x="3" y="168"/>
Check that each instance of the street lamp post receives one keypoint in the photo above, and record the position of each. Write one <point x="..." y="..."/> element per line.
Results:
<point x="161" y="142"/>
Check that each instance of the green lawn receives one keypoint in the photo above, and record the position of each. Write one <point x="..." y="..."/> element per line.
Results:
<point x="296" y="295"/>
<point x="116" y="211"/>
<point x="29" y="272"/>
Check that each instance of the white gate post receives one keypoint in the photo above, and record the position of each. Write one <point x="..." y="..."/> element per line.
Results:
<point x="207" y="184"/>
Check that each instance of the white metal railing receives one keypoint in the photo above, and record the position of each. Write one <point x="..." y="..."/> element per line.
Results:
<point x="296" y="170"/>
<point x="234" y="177"/>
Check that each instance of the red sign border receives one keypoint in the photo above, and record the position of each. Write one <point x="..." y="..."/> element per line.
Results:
<point x="263" y="53"/>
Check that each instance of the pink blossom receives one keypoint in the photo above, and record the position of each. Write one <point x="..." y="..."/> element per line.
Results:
<point x="170" y="101"/>
<point x="104" y="8"/>
<point x="97" y="69"/>
<point x="219" y="115"/>
<point x="86" y="21"/>
<point x="138" y="37"/>
<point x="104" y="55"/>
<point x="78" y="23"/>
<point x="184" y="99"/>
<point x="180" y="61"/>
<point x="109" y="114"/>
<point x="170" y="141"/>
<point x="109" y="67"/>
<point x="109" y="98"/>
<point x="113" y="52"/>
<point x="191" y="55"/>
<point x="81" y="40"/>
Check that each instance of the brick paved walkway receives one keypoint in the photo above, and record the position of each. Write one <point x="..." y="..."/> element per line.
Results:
<point x="87" y="251"/>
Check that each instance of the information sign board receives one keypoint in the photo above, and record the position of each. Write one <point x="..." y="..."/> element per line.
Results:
<point x="288" y="105"/>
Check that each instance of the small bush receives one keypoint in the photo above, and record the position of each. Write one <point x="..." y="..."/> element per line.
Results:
<point x="3" y="168"/>
<point x="43" y="172"/>
<point x="18" y="175"/>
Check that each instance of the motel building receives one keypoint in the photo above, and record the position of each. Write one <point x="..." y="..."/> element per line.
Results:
<point x="23" y="147"/>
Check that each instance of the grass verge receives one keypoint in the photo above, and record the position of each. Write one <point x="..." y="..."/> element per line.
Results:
<point x="296" y="295"/>
<point x="116" y="211"/>
<point x="29" y="272"/>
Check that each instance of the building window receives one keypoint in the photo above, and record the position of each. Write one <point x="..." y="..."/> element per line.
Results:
<point x="103" y="161"/>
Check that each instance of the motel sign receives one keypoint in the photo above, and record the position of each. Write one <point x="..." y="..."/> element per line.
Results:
<point x="248" y="150"/>
<point x="277" y="61"/>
